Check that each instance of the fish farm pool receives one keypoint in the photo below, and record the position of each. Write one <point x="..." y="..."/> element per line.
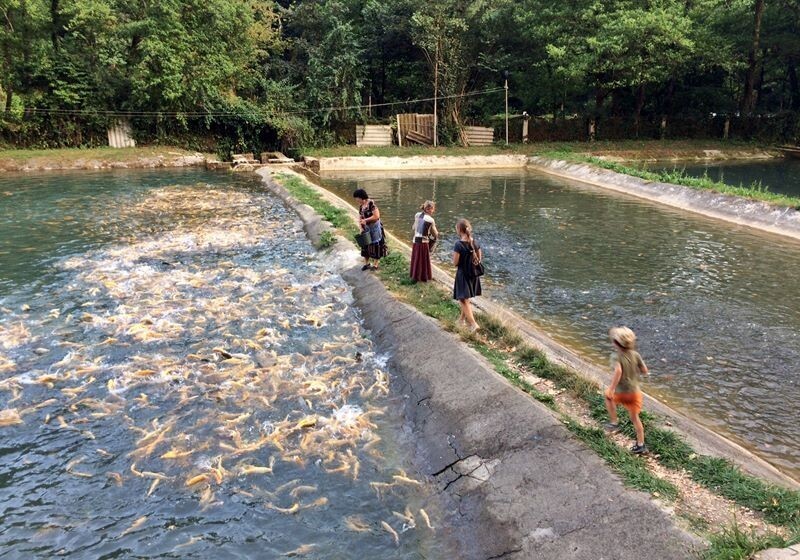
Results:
<point x="715" y="305"/>
<point x="181" y="376"/>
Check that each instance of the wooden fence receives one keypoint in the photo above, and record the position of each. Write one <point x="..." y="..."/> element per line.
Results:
<point x="478" y="135"/>
<point x="119" y="135"/>
<point x="373" y="135"/>
<point x="420" y="127"/>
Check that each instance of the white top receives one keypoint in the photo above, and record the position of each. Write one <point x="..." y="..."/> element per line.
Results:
<point x="422" y="225"/>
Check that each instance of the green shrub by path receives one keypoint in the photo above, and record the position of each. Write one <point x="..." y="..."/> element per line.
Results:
<point x="755" y="191"/>
<point x="326" y="239"/>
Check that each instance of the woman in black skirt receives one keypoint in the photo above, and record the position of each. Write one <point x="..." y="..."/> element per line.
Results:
<point x="370" y="220"/>
<point x="467" y="285"/>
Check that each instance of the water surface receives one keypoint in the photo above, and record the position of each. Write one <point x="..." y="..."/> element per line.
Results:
<point x="182" y="377"/>
<point x="715" y="306"/>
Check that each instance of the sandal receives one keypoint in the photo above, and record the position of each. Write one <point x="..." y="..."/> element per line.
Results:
<point x="611" y="427"/>
<point x="639" y="449"/>
<point x="365" y="267"/>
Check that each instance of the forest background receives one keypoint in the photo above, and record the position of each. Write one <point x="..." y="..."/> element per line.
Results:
<point x="245" y="75"/>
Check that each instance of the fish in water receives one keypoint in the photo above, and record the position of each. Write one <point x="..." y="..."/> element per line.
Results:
<point x="294" y="508"/>
<point x="10" y="417"/>
<point x="425" y="518"/>
<point x="355" y="523"/>
<point x="135" y="525"/>
<point x="301" y="550"/>
<point x="199" y="479"/>
<point x="388" y="528"/>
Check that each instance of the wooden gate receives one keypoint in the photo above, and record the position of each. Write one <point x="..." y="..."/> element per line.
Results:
<point x="415" y="127"/>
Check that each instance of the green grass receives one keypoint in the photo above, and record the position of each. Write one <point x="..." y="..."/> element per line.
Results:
<point x="734" y="544"/>
<point x="306" y="194"/>
<point x="70" y="154"/>
<point x="646" y="148"/>
<point x="326" y="239"/>
<point x="633" y="469"/>
<point x="755" y="191"/>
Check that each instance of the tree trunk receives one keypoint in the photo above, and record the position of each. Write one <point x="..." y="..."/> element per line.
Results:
<point x="794" y="86"/>
<point x="748" y="98"/>
<point x="9" y="97"/>
<point x="760" y="81"/>
<point x="599" y="98"/>
<point x="637" y="115"/>
<point x="55" y="23"/>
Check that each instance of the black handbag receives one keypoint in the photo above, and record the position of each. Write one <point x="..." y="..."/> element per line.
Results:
<point x="364" y="239"/>
<point x="477" y="266"/>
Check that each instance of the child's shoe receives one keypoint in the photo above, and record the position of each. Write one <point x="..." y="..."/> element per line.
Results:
<point x="639" y="449"/>
<point x="611" y="427"/>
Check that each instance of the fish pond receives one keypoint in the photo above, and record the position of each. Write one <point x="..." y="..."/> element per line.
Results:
<point x="182" y="376"/>
<point x="715" y="306"/>
<point x="779" y="176"/>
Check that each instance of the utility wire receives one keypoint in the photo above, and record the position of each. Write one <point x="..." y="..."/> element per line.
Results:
<point x="175" y="114"/>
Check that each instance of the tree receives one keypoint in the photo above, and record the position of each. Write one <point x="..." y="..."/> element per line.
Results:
<point x="748" y="97"/>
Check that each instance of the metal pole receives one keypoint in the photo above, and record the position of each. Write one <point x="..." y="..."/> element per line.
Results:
<point x="506" y="88"/>
<point x="436" y="99"/>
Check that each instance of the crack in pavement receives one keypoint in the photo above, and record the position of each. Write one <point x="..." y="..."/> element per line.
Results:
<point x="504" y="554"/>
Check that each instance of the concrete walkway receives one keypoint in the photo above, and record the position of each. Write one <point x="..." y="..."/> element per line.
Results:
<point x="520" y="485"/>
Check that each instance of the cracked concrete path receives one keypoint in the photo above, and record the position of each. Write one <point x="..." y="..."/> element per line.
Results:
<point x="518" y="484"/>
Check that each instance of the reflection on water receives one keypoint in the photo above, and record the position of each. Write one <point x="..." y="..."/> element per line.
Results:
<point x="715" y="306"/>
<point x="781" y="176"/>
<point x="192" y="382"/>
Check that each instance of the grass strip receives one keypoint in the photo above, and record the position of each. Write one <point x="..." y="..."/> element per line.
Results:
<point x="756" y="191"/>
<point x="306" y="194"/>
<point x="633" y="469"/>
<point x="780" y="506"/>
<point x="645" y="149"/>
<point x="734" y="544"/>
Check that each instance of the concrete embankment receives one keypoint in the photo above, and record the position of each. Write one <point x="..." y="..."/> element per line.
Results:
<point x="515" y="482"/>
<point x="368" y="163"/>
<point x="75" y="160"/>
<point x="780" y="220"/>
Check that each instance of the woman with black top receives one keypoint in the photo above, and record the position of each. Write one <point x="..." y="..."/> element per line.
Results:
<point x="467" y="285"/>
<point x="369" y="218"/>
<point x="425" y="235"/>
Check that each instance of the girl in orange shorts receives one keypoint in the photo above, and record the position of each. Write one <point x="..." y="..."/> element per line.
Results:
<point x="624" y="388"/>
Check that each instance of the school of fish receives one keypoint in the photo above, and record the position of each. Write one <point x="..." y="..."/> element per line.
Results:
<point x="184" y="361"/>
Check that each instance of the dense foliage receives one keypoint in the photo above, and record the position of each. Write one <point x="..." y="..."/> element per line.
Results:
<point x="257" y="73"/>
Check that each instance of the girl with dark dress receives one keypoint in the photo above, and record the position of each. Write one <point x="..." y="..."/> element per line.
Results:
<point x="466" y="285"/>
<point x="425" y="235"/>
<point x="370" y="220"/>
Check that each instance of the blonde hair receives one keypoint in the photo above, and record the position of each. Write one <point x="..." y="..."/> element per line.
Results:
<point x="428" y="205"/>
<point x="624" y="337"/>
